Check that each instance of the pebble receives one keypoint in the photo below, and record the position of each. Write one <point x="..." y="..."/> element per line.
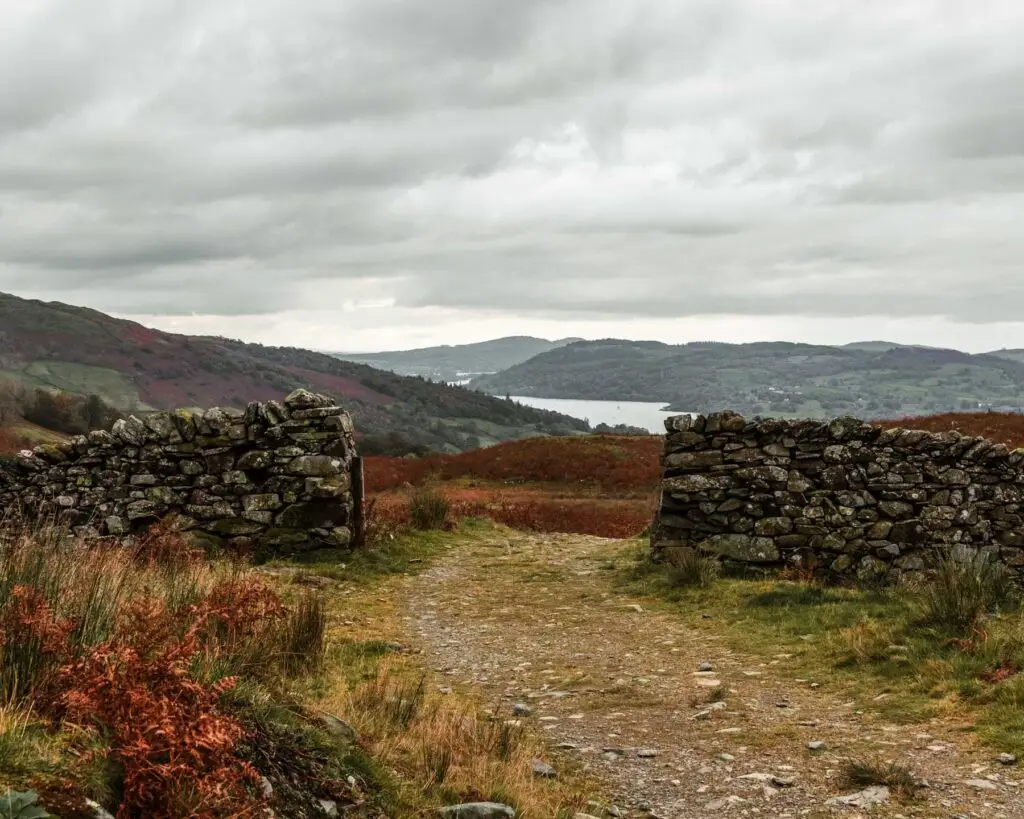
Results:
<point x="647" y="753"/>
<point x="1006" y="759"/>
<point x="706" y="667"/>
<point x="726" y="757"/>
<point x="328" y="807"/>
<point x="521" y="709"/>
<point x="980" y="784"/>
<point x="816" y="745"/>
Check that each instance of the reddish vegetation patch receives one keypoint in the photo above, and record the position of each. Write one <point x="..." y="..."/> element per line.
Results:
<point x="625" y="465"/>
<point x="342" y="386"/>
<point x="531" y="509"/>
<point x="1001" y="427"/>
<point x="11" y="442"/>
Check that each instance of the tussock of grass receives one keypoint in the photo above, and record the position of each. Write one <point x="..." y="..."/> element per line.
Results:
<point x="688" y="567"/>
<point x="968" y="585"/>
<point x="862" y="773"/>
<point x="428" y="509"/>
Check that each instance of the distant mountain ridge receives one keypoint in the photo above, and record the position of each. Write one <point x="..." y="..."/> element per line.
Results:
<point x="785" y="379"/>
<point x="454" y="362"/>
<point x="82" y="351"/>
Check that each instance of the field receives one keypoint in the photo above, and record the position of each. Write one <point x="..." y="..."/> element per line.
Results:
<point x="107" y="655"/>
<point x="595" y="485"/>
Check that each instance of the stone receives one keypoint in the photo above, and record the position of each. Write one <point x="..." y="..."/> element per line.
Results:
<point x="742" y="548"/>
<point x="328" y="807"/>
<point x="772" y="527"/>
<point x="261" y="503"/>
<point x="981" y="784"/>
<point x="521" y="709"/>
<point x="257" y="459"/>
<point x="837" y="454"/>
<point x="478" y="810"/>
<point x="689" y="484"/>
<point x="875" y="795"/>
<point x="304" y="399"/>
<point x="816" y="745"/>
<point x="1006" y="759"/>
<point x="766" y="474"/>
<point x="797" y="483"/>
<point x="705" y="666"/>
<point x="542" y="769"/>
<point x="693" y="460"/>
<point x="338" y="728"/>
<point x="315" y="466"/>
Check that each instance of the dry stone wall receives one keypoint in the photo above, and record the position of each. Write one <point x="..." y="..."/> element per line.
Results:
<point x="843" y="497"/>
<point x="276" y="477"/>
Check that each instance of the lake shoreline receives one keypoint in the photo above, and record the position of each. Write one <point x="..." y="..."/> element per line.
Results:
<point x="649" y="415"/>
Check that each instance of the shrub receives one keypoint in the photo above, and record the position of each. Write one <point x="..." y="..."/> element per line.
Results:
<point x="176" y="747"/>
<point x="864" y="773"/>
<point x="967" y="585"/>
<point x="688" y="567"/>
<point x="136" y="644"/>
<point x="302" y="637"/>
<point x="428" y="509"/>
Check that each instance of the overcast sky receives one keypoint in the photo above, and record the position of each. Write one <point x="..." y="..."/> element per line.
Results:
<point x="379" y="174"/>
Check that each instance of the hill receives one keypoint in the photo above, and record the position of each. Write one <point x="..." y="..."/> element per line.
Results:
<point x="456" y="362"/>
<point x="136" y="368"/>
<point x="781" y="379"/>
<point x="1010" y="355"/>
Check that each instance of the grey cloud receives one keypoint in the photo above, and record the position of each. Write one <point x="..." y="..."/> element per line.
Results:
<point x="569" y="157"/>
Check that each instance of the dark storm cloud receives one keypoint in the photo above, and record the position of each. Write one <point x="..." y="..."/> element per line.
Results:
<point x="587" y="157"/>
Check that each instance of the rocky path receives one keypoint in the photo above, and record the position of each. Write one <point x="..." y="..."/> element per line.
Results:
<point x="537" y="621"/>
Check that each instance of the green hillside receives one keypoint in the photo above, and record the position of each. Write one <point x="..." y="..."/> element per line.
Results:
<point x="776" y="378"/>
<point x="135" y="368"/>
<point x="455" y="362"/>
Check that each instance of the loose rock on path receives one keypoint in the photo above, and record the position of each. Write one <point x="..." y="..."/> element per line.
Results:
<point x="537" y="621"/>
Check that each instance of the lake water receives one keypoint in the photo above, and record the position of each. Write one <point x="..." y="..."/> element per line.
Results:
<point x="634" y="413"/>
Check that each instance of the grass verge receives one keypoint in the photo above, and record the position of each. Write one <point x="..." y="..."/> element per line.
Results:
<point x="955" y="649"/>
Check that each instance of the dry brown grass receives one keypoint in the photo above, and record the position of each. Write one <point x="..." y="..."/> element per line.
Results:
<point x="447" y="748"/>
<point x="444" y="747"/>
